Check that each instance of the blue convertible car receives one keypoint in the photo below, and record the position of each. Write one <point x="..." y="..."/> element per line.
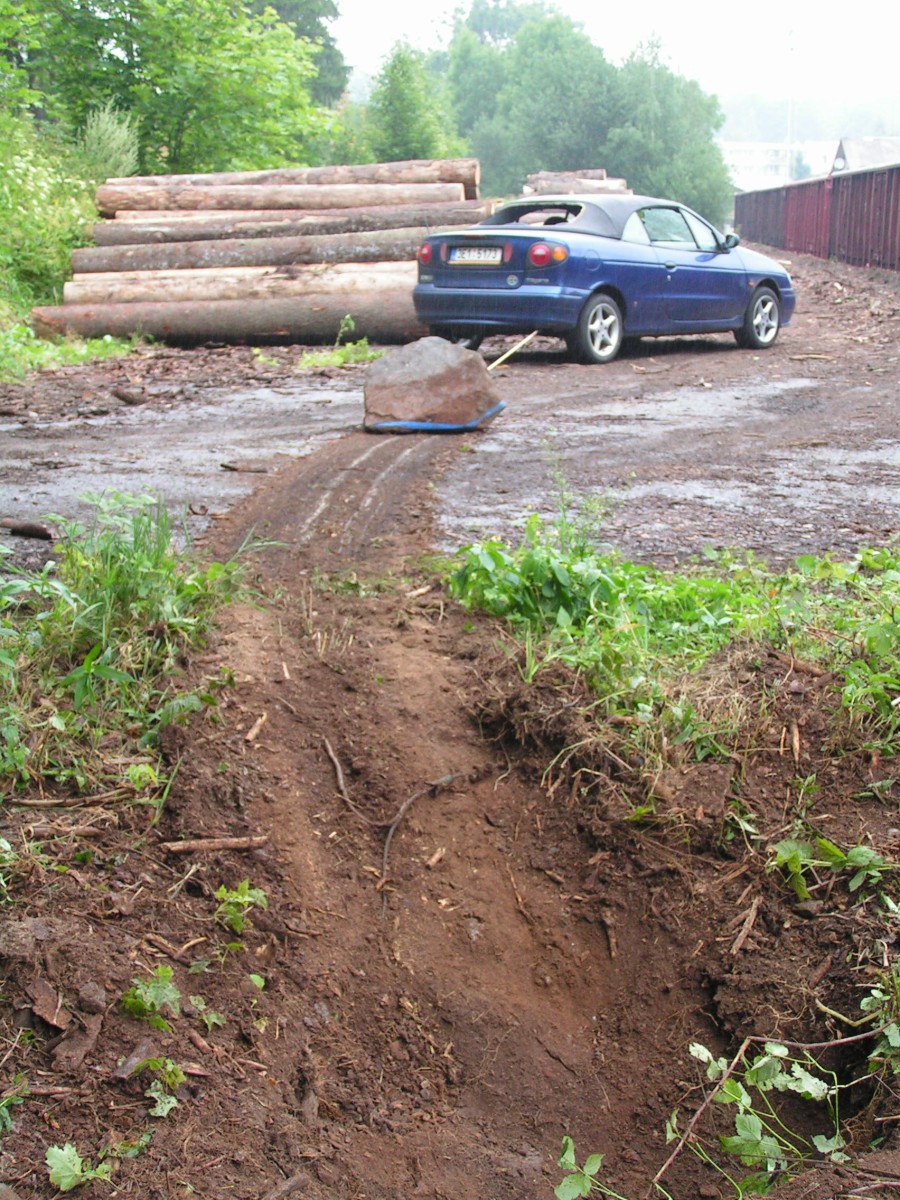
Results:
<point x="596" y="270"/>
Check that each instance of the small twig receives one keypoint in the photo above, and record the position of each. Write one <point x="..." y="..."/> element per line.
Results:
<point x="738" y="943"/>
<point x="342" y="787"/>
<point x="253" y="732"/>
<point x="432" y="788"/>
<point x="190" y="845"/>
<point x="288" y="1187"/>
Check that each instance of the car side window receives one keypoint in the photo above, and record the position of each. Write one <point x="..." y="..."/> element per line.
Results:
<point x="704" y="236"/>
<point x="634" y="231"/>
<point x="667" y="227"/>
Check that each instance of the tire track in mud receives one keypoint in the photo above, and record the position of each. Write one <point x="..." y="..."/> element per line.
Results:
<point x="360" y="498"/>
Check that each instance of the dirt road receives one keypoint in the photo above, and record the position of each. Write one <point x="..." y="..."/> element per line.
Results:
<point x="463" y="958"/>
<point x="687" y="443"/>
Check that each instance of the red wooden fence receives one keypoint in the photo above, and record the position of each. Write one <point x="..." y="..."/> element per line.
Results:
<point x="853" y="217"/>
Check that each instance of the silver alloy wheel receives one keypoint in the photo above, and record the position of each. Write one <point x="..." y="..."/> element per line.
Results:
<point x="762" y="321"/>
<point x="765" y="318"/>
<point x="598" y="337"/>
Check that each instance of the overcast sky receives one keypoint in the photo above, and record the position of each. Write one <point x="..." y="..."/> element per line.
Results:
<point x="800" y="46"/>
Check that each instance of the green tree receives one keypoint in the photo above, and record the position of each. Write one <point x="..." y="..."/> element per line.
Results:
<point x="552" y="112"/>
<point x="407" y="115"/>
<point x="661" y="136"/>
<point x="309" y="19"/>
<point x="208" y="84"/>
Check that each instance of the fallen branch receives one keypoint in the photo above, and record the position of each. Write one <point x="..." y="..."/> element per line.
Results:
<point x="26" y="529"/>
<point x="192" y="845"/>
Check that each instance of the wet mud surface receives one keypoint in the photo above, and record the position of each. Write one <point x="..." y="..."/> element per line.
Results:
<point x="686" y="443"/>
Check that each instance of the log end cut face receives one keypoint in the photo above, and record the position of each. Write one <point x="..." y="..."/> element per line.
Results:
<point x="430" y="382"/>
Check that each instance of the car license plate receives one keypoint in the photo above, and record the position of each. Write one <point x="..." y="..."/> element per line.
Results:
<point x="488" y="256"/>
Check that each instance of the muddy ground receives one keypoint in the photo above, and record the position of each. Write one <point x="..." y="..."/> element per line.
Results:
<point x="516" y="961"/>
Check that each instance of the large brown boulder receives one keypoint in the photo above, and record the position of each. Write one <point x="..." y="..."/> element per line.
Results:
<point x="430" y="383"/>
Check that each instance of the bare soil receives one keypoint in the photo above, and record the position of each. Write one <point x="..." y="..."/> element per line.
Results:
<point x="465" y="955"/>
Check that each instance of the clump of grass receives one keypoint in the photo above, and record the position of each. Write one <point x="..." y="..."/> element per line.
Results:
<point x="342" y="353"/>
<point x="21" y="350"/>
<point x="91" y="648"/>
<point x="645" y="640"/>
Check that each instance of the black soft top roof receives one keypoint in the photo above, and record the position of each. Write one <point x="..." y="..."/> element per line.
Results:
<point x="604" y="215"/>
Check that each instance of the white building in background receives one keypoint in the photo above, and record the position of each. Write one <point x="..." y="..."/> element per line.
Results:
<point x="757" y="165"/>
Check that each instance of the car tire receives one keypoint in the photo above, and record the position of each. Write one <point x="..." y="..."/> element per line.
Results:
<point x="469" y="340"/>
<point x="762" y="321"/>
<point x="598" y="336"/>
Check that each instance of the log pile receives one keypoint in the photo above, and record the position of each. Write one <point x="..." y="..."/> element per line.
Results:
<point x="263" y="255"/>
<point x="590" y="181"/>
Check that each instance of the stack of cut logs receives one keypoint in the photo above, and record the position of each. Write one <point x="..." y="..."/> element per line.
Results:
<point x="263" y="255"/>
<point x="591" y="181"/>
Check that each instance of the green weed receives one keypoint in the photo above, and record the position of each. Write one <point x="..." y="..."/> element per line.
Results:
<point x="236" y="903"/>
<point x="11" y="1097"/>
<point x="646" y="640"/>
<point x="90" y="648"/>
<point x="342" y="353"/>
<point x="169" y="1078"/>
<point x="801" y="858"/>
<point x="148" y="999"/>
<point x="68" y="1170"/>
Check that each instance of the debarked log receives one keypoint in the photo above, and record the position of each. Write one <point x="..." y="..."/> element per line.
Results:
<point x="384" y="245"/>
<point x="466" y="171"/>
<point x="235" y="283"/>
<point x="315" y="320"/>
<point x="134" y="228"/>
<point x="114" y="197"/>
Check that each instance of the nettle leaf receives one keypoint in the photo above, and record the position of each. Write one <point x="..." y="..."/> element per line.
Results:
<point x="572" y="1187"/>
<point x="733" y="1091"/>
<point x="164" y="1101"/>
<point x="809" y="1086"/>
<point x="66" y="1167"/>
<point x="764" y="1072"/>
<point x="162" y="993"/>
<point x="593" y="1164"/>
<point x="567" y="1158"/>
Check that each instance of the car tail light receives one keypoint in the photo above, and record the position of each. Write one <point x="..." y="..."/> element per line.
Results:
<point x="542" y="255"/>
<point x="444" y="252"/>
<point x="507" y="252"/>
<point x="425" y="254"/>
<point x="539" y="254"/>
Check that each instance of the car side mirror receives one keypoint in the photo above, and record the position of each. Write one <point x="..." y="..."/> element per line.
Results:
<point x="731" y="240"/>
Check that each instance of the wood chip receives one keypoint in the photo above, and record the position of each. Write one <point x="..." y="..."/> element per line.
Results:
<point x="253" y="732"/>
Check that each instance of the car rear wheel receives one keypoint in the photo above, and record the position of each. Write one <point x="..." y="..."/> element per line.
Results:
<point x="468" y="339"/>
<point x="598" y="334"/>
<point x="762" y="321"/>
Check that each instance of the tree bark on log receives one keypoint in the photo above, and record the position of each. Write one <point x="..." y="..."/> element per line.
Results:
<point x="235" y="283"/>
<point x="576" y="185"/>
<point x="585" y="173"/>
<point x="466" y="171"/>
<point x="141" y="227"/>
<point x="112" y="198"/>
<point x="385" y="245"/>
<point x="384" y="316"/>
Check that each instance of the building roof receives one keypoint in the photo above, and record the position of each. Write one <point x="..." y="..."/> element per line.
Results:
<point x="858" y="154"/>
